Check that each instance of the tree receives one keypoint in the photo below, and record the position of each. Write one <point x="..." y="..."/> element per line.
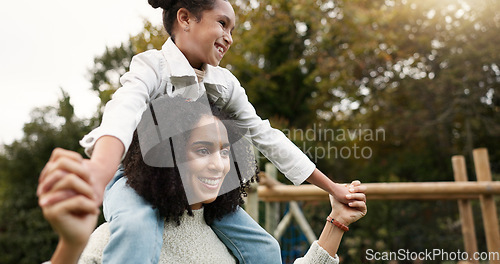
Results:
<point x="25" y="236"/>
<point x="115" y="61"/>
<point x="426" y="73"/>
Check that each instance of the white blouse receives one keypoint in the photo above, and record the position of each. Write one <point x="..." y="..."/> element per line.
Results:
<point x="156" y="72"/>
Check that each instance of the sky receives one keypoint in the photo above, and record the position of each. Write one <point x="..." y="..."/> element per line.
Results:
<point x="49" y="45"/>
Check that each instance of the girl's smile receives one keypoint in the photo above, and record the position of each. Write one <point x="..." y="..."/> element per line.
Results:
<point x="206" y="41"/>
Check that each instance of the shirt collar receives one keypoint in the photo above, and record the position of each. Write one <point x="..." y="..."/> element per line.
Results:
<point x="180" y="67"/>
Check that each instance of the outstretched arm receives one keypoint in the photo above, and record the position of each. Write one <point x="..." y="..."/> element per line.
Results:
<point x="345" y="214"/>
<point x="338" y="191"/>
<point x="74" y="214"/>
<point x="277" y="147"/>
<point x="325" y="249"/>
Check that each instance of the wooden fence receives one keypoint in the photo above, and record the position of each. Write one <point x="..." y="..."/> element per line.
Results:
<point x="462" y="190"/>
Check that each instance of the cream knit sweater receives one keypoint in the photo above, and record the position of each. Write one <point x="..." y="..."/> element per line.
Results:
<point x="191" y="242"/>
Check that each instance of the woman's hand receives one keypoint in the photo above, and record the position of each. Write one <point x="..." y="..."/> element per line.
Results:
<point x="61" y="163"/>
<point x="355" y="209"/>
<point x="73" y="218"/>
<point x="346" y="214"/>
<point x="68" y="203"/>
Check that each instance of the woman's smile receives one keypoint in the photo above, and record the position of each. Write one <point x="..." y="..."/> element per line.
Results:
<point x="210" y="183"/>
<point x="207" y="161"/>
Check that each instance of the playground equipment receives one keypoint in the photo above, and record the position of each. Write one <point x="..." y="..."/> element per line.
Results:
<point x="461" y="189"/>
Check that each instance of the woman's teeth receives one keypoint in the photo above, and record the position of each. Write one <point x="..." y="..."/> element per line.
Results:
<point x="213" y="182"/>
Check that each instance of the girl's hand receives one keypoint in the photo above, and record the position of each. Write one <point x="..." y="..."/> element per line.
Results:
<point x="66" y="196"/>
<point x="68" y="202"/>
<point x="73" y="218"/>
<point x="340" y="193"/>
<point x="61" y="164"/>
<point x="355" y="209"/>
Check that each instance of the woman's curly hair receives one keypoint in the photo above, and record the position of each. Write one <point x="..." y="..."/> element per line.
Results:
<point x="163" y="188"/>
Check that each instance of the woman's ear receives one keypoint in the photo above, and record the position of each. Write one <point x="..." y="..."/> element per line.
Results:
<point x="183" y="18"/>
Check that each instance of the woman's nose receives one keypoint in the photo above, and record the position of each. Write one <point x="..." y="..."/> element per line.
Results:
<point x="216" y="162"/>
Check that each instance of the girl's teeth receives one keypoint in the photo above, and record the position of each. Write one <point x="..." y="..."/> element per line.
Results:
<point x="221" y="49"/>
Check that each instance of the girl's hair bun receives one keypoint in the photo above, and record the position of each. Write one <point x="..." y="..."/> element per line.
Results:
<point x="165" y="4"/>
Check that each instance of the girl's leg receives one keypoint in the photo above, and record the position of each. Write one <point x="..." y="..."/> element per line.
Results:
<point x="246" y="239"/>
<point x="136" y="228"/>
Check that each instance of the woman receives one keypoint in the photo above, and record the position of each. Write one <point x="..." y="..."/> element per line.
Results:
<point x="202" y="161"/>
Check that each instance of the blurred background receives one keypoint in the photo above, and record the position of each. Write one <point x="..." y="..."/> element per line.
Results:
<point x="425" y="73"/>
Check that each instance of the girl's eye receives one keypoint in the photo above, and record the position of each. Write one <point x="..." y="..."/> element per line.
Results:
<point x="223" y="23"/>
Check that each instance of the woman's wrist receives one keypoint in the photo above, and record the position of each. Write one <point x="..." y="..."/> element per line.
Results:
<point x="339" y="218"/>
<point x="67" y="252"/>
<point x="336" y="223"/>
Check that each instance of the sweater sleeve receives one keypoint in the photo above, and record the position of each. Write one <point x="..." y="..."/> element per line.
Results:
<point x="123" y="112"/>
<point x="316" y="254"/>
<point x="272" y="143"/>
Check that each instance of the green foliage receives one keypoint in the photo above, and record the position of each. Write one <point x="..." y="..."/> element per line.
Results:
<point x="269" y="56"/>
<point x="115" y="61"/>
<point x="107" y="70"/>
<point x="25" y="237"/>
<point x="424" y="72"/>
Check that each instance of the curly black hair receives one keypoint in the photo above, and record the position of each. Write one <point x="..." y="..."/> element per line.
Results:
<point x="162" y="187"/>
<point x="170" y="8"/>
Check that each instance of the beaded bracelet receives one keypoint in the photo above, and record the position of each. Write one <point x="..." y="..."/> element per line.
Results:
<point x="337" y="223"/>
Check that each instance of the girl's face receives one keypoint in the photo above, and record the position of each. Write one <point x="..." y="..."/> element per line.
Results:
<point x="208" y="161"/>
<point x="208" y="40"/>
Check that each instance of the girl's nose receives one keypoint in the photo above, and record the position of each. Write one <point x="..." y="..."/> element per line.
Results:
<point x="228" y="38"/>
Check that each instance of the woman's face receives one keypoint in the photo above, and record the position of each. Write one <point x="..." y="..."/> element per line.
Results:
<point x="207" y="161"/>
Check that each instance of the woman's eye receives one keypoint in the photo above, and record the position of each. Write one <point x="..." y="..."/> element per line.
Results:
<point x="225" y="152"/>
<point x="203" y="151"/>
<point x="223" y="23"/>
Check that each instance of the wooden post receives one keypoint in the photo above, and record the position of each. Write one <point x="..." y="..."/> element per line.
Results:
<point x="387" y="191"/>
<point x="272" y="208"/>
<point x="488" y="208"/>
<point x="252" y="200"/>
<point x="465" y="209"/>
<point x="252" y="203"/>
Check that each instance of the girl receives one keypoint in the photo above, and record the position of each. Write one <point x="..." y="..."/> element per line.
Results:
<point x="187" y="66"/>
<point x="205" y="152"/>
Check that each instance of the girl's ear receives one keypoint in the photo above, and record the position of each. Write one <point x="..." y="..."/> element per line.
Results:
<point x="183" y="18"/>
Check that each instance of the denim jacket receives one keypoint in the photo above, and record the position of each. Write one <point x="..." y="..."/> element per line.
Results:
<point x="156" y="73"/>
